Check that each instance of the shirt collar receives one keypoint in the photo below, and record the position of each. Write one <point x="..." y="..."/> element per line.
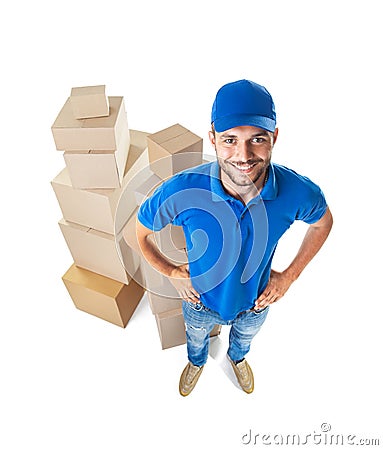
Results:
<point x="269" y="191"/>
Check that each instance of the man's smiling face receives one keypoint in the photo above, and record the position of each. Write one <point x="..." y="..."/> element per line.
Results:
<point x="244" y="153"/>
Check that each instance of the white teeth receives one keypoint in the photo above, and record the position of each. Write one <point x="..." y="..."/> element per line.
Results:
<point x="242" y="167"/>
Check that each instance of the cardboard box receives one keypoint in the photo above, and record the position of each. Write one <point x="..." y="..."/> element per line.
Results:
<point x="171" y="328"/>
<point x="157" y="283"/>
<point x="128" y="237"/>
<point x="174" y="149"/>
<point x="170" y="239"/>
<point x="97" y="251"/>
<point x="99" y="169"/>
<point x="89" y="101"/>
<point x="159" y="304"/>
<point x="101" y="133"/>
<point x="162" y="294"/>
<point x="153" y="280"/>
<point x="102" y="297"/>
<point x="144" y="190"/>
<point x="125" y="253"/>
<point x="97" y="208"/>
<point x="127" y="201"/>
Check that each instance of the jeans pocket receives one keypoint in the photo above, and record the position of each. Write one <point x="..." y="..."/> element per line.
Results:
<point x="259" y="311"/>
<point x="196" y="306"/>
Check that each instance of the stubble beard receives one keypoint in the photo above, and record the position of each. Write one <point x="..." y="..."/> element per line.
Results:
<point x="240" y="179"/>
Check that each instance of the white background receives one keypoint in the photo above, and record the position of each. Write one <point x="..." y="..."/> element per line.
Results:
<point x="72" y="381"/>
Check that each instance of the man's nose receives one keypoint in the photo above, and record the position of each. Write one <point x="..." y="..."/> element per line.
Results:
<point x="244" y="151"/>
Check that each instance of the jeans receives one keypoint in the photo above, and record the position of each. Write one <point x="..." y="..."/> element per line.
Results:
<point x="199" y="322"/>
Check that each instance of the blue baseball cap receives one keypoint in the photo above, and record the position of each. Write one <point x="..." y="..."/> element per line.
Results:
<point x="243" y="103"/>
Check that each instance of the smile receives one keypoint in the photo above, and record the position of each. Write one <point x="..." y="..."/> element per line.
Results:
<point x="244" y="168"/>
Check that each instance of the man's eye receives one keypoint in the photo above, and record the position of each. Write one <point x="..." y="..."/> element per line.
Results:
<point x="229" y="141"/>
<point x="258" y="140"/>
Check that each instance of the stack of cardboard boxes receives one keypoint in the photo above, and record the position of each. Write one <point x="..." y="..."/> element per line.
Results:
<point x="92" y="131"/>
<point x="109" y="170"/>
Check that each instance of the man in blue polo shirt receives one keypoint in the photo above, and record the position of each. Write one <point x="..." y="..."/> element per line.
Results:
<point x="233" y="212"/>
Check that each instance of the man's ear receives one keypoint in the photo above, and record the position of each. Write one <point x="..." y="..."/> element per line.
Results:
<point x="212" y="138"/>
<point x="275" y="136"/>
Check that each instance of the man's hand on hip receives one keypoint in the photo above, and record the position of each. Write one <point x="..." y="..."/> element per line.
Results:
<point x="276" y="288"/>
<point x="180" y="279"/>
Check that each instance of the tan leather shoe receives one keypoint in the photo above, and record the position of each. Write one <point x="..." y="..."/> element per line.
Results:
<point x="189" y="378"/>
<point x="244" y="375"/>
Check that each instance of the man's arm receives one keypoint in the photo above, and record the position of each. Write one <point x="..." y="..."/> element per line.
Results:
<point x="280" y="282"/>
<point x="138" y="237"/>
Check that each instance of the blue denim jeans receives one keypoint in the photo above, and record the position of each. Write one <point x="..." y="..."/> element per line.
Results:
<point x="199" y="322"/>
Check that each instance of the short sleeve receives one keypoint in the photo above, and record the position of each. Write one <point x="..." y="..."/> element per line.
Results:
<point x="152" y="212"/>
<point x="313" y="205"/>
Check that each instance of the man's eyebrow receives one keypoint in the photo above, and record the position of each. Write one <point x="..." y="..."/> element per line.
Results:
<point x="226" y="136"/>
<point x="260" y="133"/>
<point x="233" y="136"/>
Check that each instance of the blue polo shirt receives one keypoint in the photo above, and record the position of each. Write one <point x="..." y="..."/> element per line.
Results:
<point x="230" y="245"/>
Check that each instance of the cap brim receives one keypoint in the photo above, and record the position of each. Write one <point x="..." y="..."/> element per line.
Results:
<point x="241" y="120"/>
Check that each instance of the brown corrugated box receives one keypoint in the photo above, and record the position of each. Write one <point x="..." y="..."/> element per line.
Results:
<point x="158" y="283"/>
<point x="162" y="295"/>
<point x="96" y="208"/>
<point x="159" y="304"/>
<point x="102" y="297"/>
<point x="101" y="133"/>
<point x="99" y="169"/>
<point x="89" y="102"/>
<point x="97" y="251"/>
<point x="154" y="281"/>
<point x="170" y="240"/>
<point x="144" y="190"/>
<point x="174" y="149"/>
<point x="171" y="328"/>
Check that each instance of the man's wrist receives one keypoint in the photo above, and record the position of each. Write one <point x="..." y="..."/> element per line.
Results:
<point x="291" y="274"/>
<point x="174" y="272"/>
